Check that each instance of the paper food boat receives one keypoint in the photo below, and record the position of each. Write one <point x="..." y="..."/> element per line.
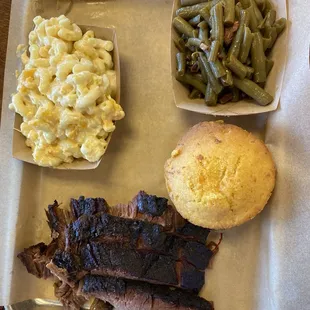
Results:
<point x="244" y="107"/>
<point x="22" y="152"/>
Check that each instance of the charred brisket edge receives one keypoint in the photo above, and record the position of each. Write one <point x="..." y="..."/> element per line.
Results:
<point x="151" y="204"/>
<point x="115" y="260"/>
<point x="104" y="287"/>
<point x="87" y="206"/>
<point x="136" y="234"/>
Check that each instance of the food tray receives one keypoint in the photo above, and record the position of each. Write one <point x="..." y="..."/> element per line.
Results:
<point x="262" y="264"/>
<point x="242" y="107"/>
<point x="22" y="152"/>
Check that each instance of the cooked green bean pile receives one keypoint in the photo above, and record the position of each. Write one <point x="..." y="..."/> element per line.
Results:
<point x="223" y="48"/>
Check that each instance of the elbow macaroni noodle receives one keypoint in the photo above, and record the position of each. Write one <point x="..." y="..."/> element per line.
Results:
<point x="65" y="93"/>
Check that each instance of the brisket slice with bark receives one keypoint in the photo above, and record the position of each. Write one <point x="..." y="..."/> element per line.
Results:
<point x="176" y="257"/>
<point x="139" y="235"/>
<point x="143" y="206"/>
<point x="156" y="210"/>
<point x="129" y="295"/>
<point x="150" y="208"/>
<point x="116" y="260"/>
<point x="36" y="257"/>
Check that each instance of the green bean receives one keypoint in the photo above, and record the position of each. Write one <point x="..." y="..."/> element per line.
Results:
<point x="250" y="72"/>
<point x="269" y="19"/>
<point x="261" y="4"/>
<point x="194" y="94"/>
<point x="218" y="30"/>
<point x="266" y="43"/>
<point x="203" y="72"/>
<point x="246" y="45"/>
<point x="280" y="24"/>
<point x="222" y="54"/>
<point x="205" y="13"/>
<point x="269" y="65"/>
<point x="271" y="32"/>
<point x="212" y="31"/>
<point x="193" y="42"/>
<point x="191" y="80"/>
<point x="191" y="48"/>
<point x="181" y="63"/>
<point x="203" y="25"/>
<point x="214" y="50"/>
<point x="238" y="8"/>
<point x="188" y="12"/>
<point x="236" y="43"/>
<point x="253" y="90"/>
<point x="195" y="33"/>
<point x="257" y="12"/>
<point x="195" y="20"/>
<point x="229" y="12"/>
<point x="258" y="58"/>
<point x="191" y="2"/>
<point x="245" y="3"/>
<point x="216" y="86"/>
<point x="210" y="96"/>
<point x="268" y="7"/>
<point x="253" y="20"/>
<point x="198" y="76"/>
<point x="235" y="94"/>
<point x="214" y="2"/>
<point x="227" y="80"/>
<point x="248" y="61"/>
<point x="182" y="26"/>
<point x="245" y="17"/>
<point x="237" y="67"/>
<point x="203" y="34"/>
<point x="216" y="66"/>
<point x="179" y="44"/>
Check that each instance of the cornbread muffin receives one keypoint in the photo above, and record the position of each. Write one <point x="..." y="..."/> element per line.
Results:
<point x="219" y="175"/>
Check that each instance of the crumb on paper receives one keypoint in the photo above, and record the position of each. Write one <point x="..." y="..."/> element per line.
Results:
<point x="175" y="153"/>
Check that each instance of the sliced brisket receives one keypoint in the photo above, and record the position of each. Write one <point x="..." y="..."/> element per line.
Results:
<point x="192" y="232"/>
<point x="150" y="208"/>
<point x="121" y="261"/>
<point x="136" y="234"/>
<point x="36" y="257"/>
<point x="68" y="297"/>
<point x="145" y="240"/>
<point x="129" y="295"/>
<point x="147" y="207"/>
<point x="57" y="218"/>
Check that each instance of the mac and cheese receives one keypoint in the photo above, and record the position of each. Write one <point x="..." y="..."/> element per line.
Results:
<point x="65" y="93"/>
